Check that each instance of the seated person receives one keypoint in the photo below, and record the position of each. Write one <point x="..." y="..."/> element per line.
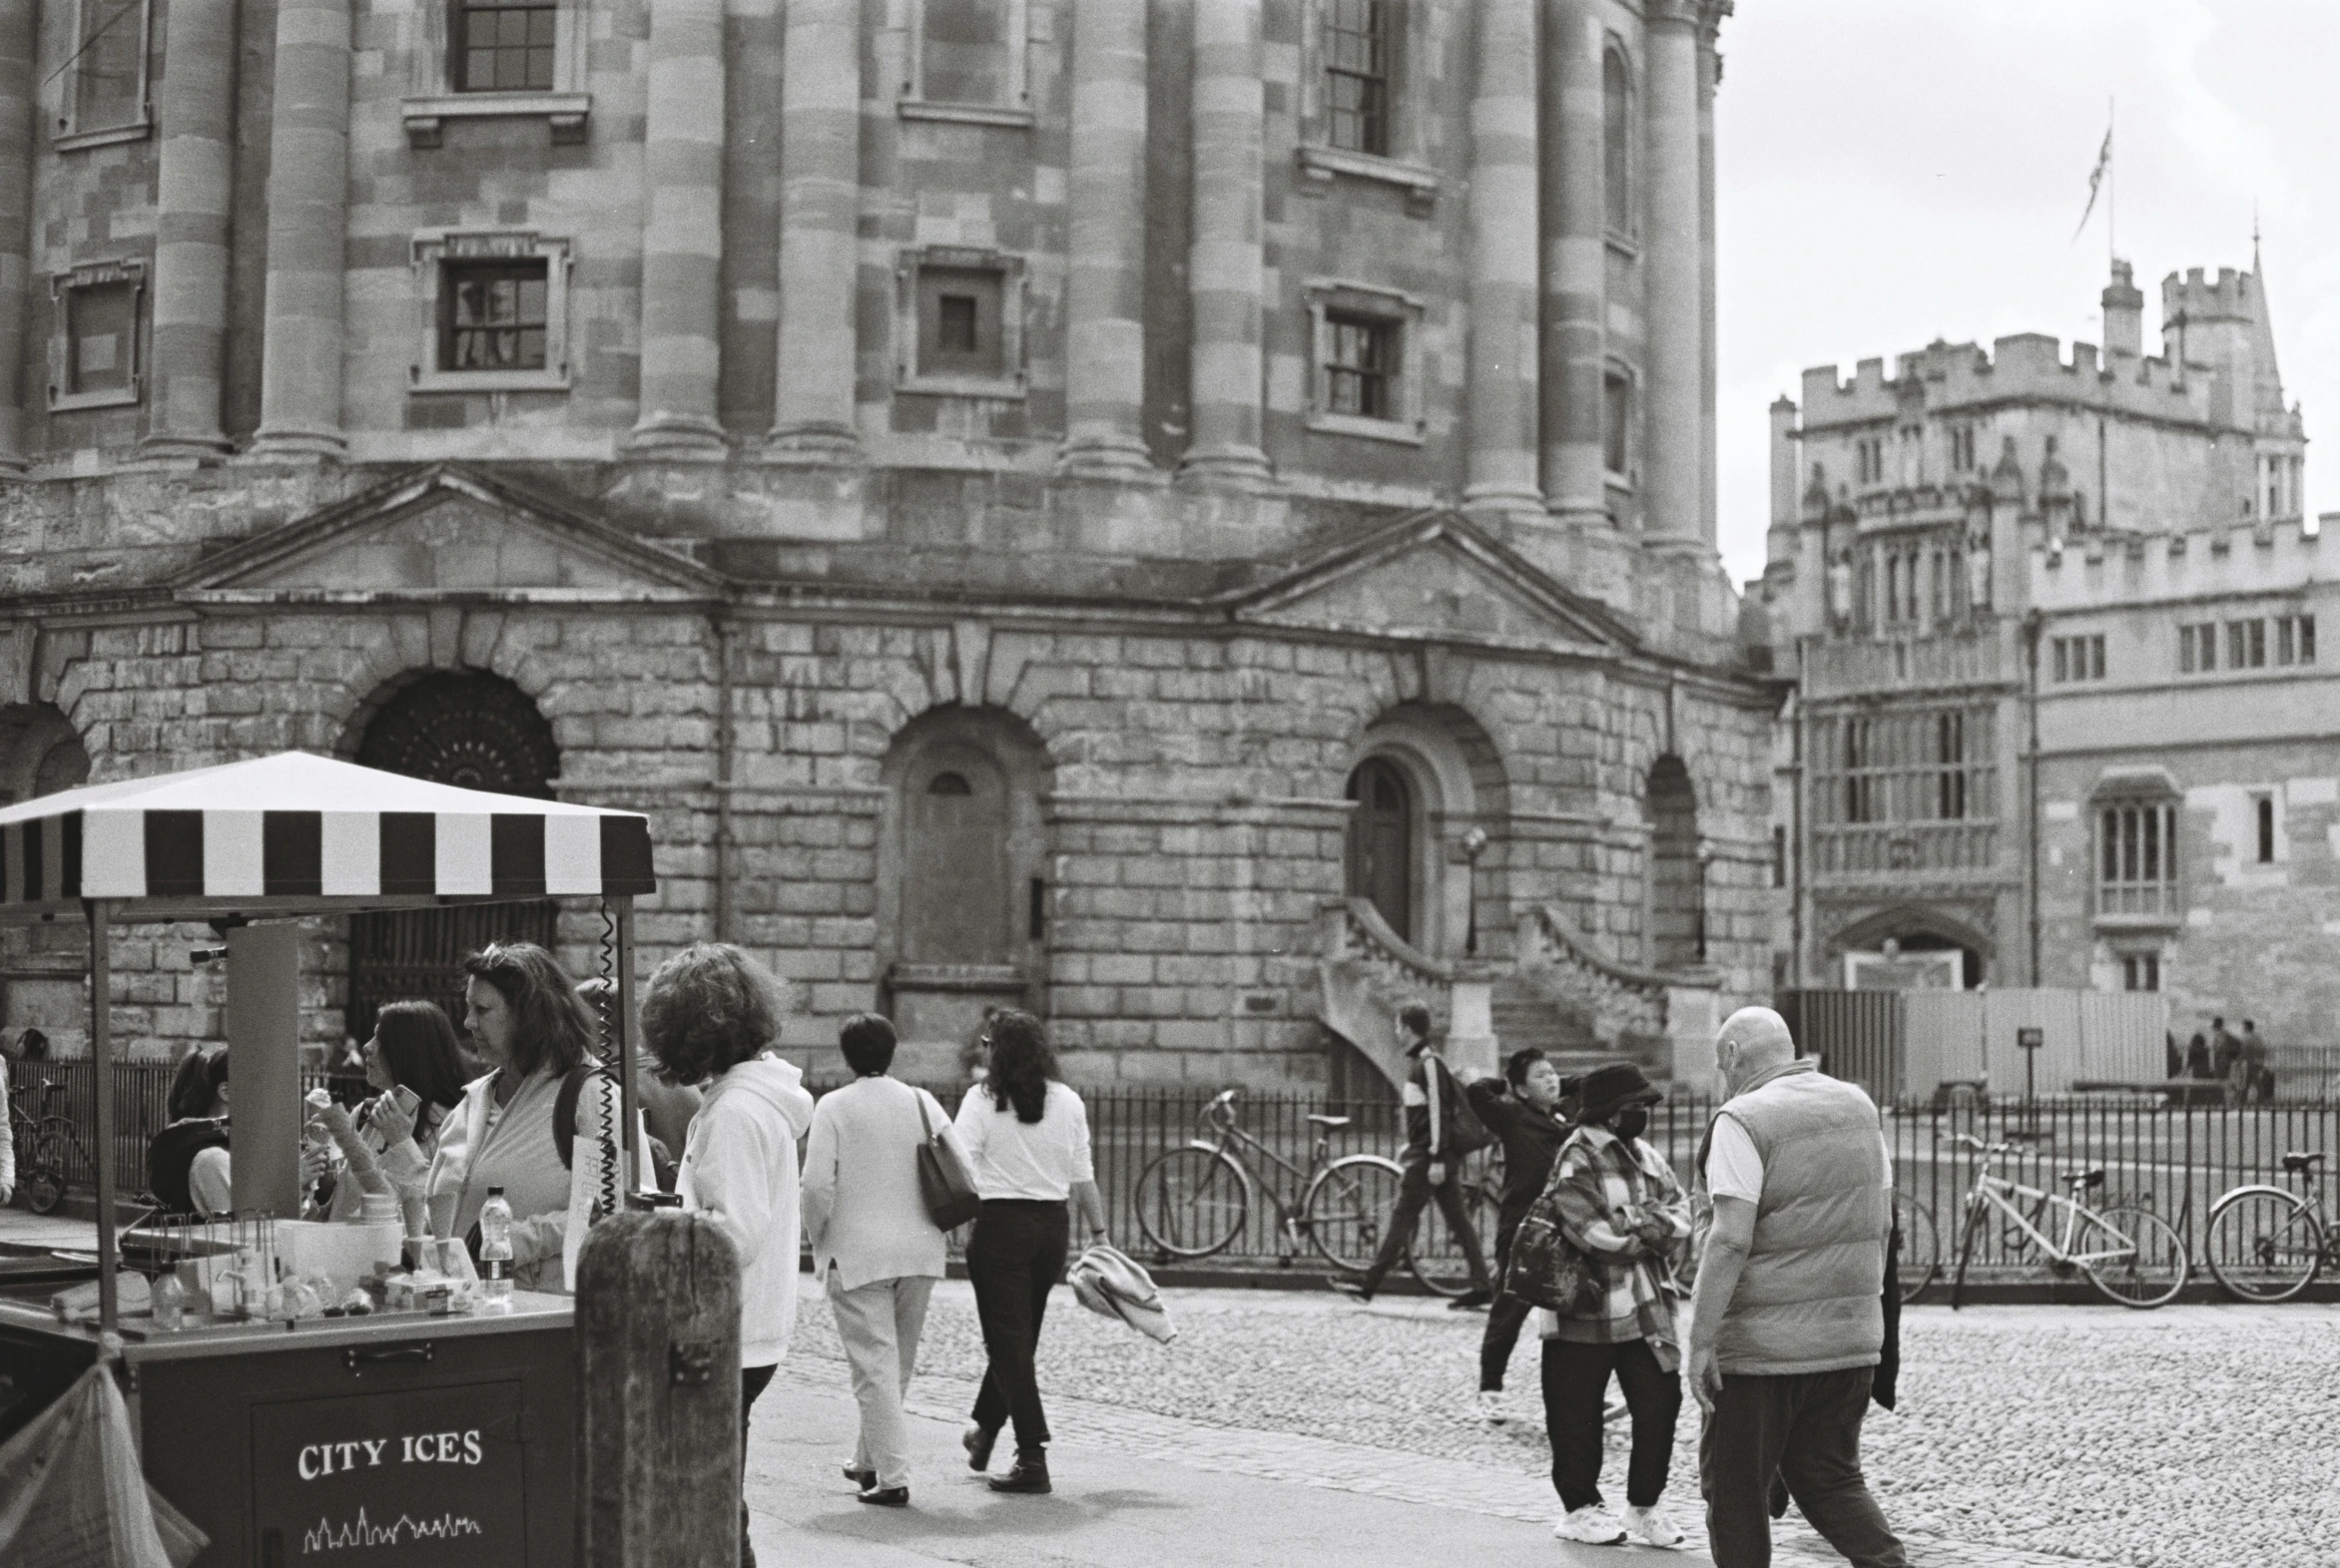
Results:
<point x="187" y="1162"/>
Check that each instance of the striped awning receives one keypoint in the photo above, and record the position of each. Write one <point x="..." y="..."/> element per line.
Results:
<point x="297" y="832"/>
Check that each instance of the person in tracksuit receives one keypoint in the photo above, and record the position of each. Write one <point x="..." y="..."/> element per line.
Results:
<point x="1429" y="1099"/>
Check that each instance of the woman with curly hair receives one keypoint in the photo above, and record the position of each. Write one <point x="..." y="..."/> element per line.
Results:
<point x="542" y="1125"/>
<point x="1028" y="1137"/>
<point x="710" y="1015"/>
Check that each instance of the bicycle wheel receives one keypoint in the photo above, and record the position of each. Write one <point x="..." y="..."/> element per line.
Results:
<point x="1920" y="1253"/>
<point x="1976" y="1216"/>
<point x="2131" y="1254"/>
<point x="1437" y="1257"/>
<point x="1345" y="1206"/>
<point x="1192" y="1203"/>
<point x="40" y="1171"/>
<point x="2263" y="1245"/>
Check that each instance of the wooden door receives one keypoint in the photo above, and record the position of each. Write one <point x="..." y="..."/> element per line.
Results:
<point x="955" y="903"/>
<point x="1380" y="842"/>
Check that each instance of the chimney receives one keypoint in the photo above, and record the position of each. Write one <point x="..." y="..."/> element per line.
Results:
<point x="2124" y="315"/>
<point x="1785" y="470"/>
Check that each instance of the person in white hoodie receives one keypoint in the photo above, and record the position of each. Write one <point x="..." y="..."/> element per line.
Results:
<point x="710" y="1015"/>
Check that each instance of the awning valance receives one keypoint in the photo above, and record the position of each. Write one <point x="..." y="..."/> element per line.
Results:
<point x="296" y="832"/>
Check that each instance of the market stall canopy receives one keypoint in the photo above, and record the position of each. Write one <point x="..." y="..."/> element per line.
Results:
<point x="295" y="833"/>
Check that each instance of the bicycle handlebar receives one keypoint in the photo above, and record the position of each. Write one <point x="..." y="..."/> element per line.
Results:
<point x="1976" y="1144"/>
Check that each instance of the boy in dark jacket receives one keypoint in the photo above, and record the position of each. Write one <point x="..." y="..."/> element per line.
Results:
<point x="1524" y="1110"/>
<point x="1429" y="1170"/>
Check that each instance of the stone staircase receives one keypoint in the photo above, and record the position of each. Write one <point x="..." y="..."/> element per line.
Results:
<point x="1524" y="1016"/>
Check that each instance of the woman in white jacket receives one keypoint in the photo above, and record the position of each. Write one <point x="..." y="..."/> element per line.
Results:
<point x="709" y="1015"/>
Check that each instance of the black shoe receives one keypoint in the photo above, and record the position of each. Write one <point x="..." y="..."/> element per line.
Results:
<point x="884" y="1496"/>
<point x="862" y="1479"/>
<point x="978" y="1440"/>
<point x="1471" y="1301"/>
<point x="1355" y="1289"/>
<point x="1029" y="1475"/>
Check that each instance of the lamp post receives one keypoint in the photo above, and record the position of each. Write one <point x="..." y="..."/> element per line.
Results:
<point x="1473" y="845"/>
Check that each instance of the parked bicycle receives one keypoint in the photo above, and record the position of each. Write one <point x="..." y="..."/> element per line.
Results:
<point x="2127" y="1252"/>
<point x="1433" y="1255"/>
<point x="2268" y="1244"/>
<point x="46" y="1145"/>
<point x="1195" y="1201"/>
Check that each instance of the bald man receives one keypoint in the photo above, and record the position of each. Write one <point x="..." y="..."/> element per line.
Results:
<point x="1787" y="1320"/>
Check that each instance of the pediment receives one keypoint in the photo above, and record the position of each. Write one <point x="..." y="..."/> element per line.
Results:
<point x="448" y="532"/>
<point x="1436" y="577"/>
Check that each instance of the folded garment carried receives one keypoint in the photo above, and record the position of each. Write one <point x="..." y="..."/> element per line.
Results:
<point x="1109" y="1283"/>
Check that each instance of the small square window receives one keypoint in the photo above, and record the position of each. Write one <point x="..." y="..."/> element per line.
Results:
<point x="503" y="46"/>
<point x="492" y="316"/>
<point x="1361" y="366"/>
<point x="959" y="321"/>
<point x="101" y="324"/>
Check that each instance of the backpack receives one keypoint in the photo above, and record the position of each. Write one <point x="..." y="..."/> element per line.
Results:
<point x="1466" y="1133"/>
<point x="171" y="1156"/>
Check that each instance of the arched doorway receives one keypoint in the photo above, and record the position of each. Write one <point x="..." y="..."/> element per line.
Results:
<point x="478" y="731"/>
<point x="1677" y="933"/>
<point x="1381" y="841"/>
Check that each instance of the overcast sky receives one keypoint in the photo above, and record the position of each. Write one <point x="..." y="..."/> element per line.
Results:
<point x="1889" y="171"/>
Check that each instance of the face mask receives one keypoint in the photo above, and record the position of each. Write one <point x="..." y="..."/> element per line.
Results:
<point x="1632" y="1122"/>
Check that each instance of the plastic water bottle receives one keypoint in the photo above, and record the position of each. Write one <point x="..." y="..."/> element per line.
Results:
<point x="170" y="1301"/>
<point x="495" y="1253"/>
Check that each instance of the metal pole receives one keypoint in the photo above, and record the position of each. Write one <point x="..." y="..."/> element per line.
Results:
<point x="100" y="914"/>
<point x="628" y="1161"/>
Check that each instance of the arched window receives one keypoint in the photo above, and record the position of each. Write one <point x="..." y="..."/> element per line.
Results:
<point x="40" y="753"/>
<point x="1616" y="140"/>
<point x="947" y="783"/>
<point x="1381" y="841"/>
<point x="1677" y="934"/>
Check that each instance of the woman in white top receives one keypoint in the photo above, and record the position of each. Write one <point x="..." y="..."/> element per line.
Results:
<point x="874" y="1246"/>
<point x="1027" y="1142"/>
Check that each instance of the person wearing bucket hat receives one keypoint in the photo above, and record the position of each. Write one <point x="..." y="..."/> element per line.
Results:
<point x="1619" y="1204"/>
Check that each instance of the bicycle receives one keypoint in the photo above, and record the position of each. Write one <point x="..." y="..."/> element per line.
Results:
<point x="2129" y="1254"/>
<point x="1920" y="1253"/>
<point x="1433" y="1256"/>
<point x="1194" y="1201"/>
<point x="46" y="1144"/>
<point x="2268" y="1244"/>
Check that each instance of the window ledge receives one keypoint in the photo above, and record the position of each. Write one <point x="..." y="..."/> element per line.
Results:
<point x="111" y="397"/>
<point x="996" y="388"/>
<point x="553" y="380"/>
<point x="2116" y="923"/>
<point x="966" y="114"/>
<point x="111" y="136"/>
<point x="1320" y="163"/>
<point x="1398" y="431"/>
<point x="565" y="114"/>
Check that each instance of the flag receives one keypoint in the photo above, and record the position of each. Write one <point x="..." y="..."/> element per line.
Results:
<point x="2096" y="180"/>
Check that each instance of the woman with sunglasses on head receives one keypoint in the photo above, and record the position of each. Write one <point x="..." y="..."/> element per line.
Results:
<point x="1026" y="1136"/>
<point x="416" y="1073"/>
<point x="542" y="1125"/>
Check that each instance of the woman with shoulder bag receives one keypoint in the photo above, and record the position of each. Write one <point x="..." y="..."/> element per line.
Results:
<point x="875" y="1247"/>
<point x="1026" y="1136"/>
<point x="1625" y="1220"/>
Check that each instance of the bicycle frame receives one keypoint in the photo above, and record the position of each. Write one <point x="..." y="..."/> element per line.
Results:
<point x="1233" y="1143"/>
<point x="1994" y="1191"/>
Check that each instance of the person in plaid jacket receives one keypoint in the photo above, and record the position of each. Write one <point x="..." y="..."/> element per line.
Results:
<point x="1620" y="1205"/>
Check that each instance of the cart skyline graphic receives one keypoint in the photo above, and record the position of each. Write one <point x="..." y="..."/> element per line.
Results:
<point x="362" y="1532"/>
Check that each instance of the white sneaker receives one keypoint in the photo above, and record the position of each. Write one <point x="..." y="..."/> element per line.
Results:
<point x="1591" y="1523"/>
<point x="1489" y="1407"/>
<point x="1652" y="1526"/>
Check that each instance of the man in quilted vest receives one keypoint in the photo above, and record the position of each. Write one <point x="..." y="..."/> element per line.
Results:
<point x="1787" y="1320"/>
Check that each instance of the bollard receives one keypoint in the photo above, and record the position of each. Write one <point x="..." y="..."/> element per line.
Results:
<point x="658" y="1364"/>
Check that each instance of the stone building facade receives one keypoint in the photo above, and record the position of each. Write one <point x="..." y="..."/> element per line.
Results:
<point x="2063" y="718"/>
<point x="1163" y="514"/>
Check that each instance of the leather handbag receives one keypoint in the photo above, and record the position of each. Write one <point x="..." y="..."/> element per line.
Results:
<point x="1546" y="1268"/>
<point x="944" y="1184"/>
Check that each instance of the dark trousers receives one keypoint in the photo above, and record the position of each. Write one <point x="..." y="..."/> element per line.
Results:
<point x="1414" y="1195"/>
<point x="1014" y="1260"/>
<point x="1504" y="1319"/>
<point x="1806" y="1428"/>
<point x="1576" y="1388"/>
<point x="752" y="1381"/>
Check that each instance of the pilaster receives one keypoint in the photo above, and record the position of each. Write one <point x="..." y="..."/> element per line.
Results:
<point x="820" y="223"/>
<point x="1575" y="262"/>
<point x="1673" y="466"/>
<point x="682" y="235"/>
<point x="196" y="106"/>
<point x="1226" y="265"/>
<point x="308" y="196"/>
<point x="1104" y="372"/>
<point x="1504" y="359"/>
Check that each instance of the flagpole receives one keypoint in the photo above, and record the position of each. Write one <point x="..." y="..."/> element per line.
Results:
<point x="2111" y="184"/>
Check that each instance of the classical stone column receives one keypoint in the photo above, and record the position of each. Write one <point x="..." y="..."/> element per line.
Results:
<point x="1503" y="241"/>
<point x="1225" y="262"/>
<point x="819" y="220"/>
<point x="1709" y="78"/>
<point x="1575" y="262"/>
<point x="19" y="46"/>
<point x="1105" y="341"/>
<point x="1674" y="249"/>
<point x="309" y="206"/>
<point x="196" y="106"/>
<point x="682" y="235"/>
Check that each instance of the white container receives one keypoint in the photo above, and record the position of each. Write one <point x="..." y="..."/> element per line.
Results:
<point x="343" y="1251"/>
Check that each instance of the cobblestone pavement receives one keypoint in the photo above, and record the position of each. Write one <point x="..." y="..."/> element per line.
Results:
<point x="2192" y="1437"/>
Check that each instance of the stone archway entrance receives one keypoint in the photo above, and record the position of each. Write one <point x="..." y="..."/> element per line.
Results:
<point x="478" y="731"/>
<point x="1381" y="841"/>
